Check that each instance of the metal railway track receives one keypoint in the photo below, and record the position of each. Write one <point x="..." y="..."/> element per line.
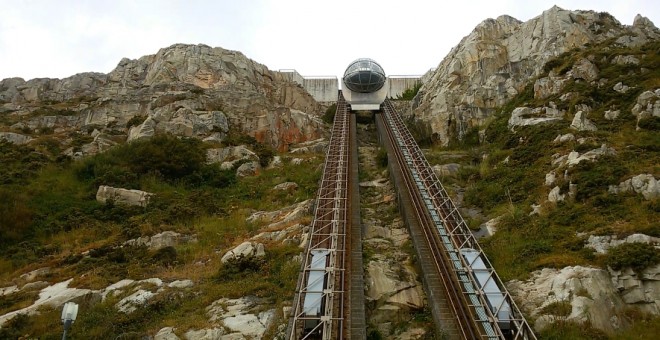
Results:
<point x="332" y="221"/>
<point x="450" y="240"/>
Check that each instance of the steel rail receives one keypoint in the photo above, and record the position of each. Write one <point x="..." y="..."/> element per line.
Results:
<point x="328" y="233"/>
<point x="451" y="236"/>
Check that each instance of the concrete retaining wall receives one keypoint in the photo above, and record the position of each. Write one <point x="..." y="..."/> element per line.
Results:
<point x="322" y="89"/>
<point x="398" y="84"/>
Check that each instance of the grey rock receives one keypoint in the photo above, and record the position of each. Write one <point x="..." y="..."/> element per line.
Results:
<point x="450" y="169"/>
<point x="132" y="302"/>
<point x="205" y="334"/>
<point x="231" y="153"/>
<point x="286" y="186"/>
<point x="166" y="333"/>
<point x="555" y="196"/>
<point x="15" y="138"/>
<point x="581" y="123"/>
<point x="524" y="116"/>
<point x="619" y="87"/>
<point x="644" y="184"/>
<point x="494" y="62"/>
<point x="180" y="284"/>
<point x="569" y="137"/>
<point x="244" y="250"/>
<point x="123" y="196"/>
<point x="248" y="169"/>
<point x="585" y="69"/>
<point x="612" y="114"/>
<point x="31" y="276"/>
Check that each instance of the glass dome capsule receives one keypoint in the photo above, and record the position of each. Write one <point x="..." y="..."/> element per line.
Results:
<point x="364" y="75"/>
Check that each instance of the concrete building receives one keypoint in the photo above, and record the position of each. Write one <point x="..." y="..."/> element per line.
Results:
<point x="324" y="88"/>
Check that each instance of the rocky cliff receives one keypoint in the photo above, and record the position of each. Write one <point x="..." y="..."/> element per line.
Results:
<point x="495" y="61"/>
<point x="189" y="90"/>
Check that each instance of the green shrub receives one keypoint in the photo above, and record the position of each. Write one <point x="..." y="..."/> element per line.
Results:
<point x="165" y="256"/>
<point x="164" y="156"/>
<point x="329" y="115"/>
<point x="410" y="93"/>
<point x="135" y="121"/>
<point x="593" y="178"/>
<point x="649" y="123"/>
<point x="558" y="308"/>
<point x="240" y="266"/>
<point x="381" y="158"/>
<point x="637" y="256"/>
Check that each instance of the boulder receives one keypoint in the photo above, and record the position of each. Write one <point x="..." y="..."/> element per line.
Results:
<point x="524" y="116"/>
<point x="134" y="301"/>
<point x="619" y="87"/>
<point x="244" y="316"/>
<point x="581" y="123"/>
<point x="208" y="334"/>
<point x="53" y="296"/>
<point x="449" y="170"/>
<point x="647" y="105"/>
<point x="564" y="138"/>
<point x="644" y="184"/>
<point x="286" y="186"/>
<point x="161" y="240"/>
<point x="15" y="138"/>
<point x="313" y="146"/>
<point x="244" y="250"/>
<point x="166" y="333"/>
<point x="625" y="60"/>
<point x="285" y="216"/>
<point x="574" y="157"/>
<point x="555" y="196"/>
<point x="248" y="169"/>
<point x="392" y="282"/>
<point x="377" y="183"/>
<point x="31" y="276"/>
<point x="601" y="244"/>
<point x="550" y="178"/>
<point x="123" y="196"/>
<point x="589" y="291"/>
<point x="230" y="154"/>
<point x="584" y="69"/>
<point x="611" y="114"/>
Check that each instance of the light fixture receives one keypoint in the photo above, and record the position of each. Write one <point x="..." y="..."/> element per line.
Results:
<point x="69" y="313"/>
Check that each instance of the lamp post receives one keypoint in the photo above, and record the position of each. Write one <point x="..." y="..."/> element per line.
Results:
<point x="69" y="313"/>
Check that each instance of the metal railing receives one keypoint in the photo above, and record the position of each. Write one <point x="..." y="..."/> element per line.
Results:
<point x="471" y="280"/>
<point x="328" y="233"/>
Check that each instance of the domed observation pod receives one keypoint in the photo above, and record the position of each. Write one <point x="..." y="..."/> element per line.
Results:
<point x="364" y="75"/>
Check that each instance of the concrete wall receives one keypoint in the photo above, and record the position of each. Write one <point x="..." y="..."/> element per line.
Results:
<point x="398" y="84"/>
<point x="322" y="89"/>
<point x="293" y="75"/>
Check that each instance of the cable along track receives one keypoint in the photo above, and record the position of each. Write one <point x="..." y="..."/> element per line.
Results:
<point x="482" y="306"/>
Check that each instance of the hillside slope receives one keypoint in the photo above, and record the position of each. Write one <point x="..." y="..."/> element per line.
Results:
<point x="494" y="62"/>
<point x="566" y="174"/>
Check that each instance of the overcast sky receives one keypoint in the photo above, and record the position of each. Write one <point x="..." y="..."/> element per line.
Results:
<point x="58" y="38"/>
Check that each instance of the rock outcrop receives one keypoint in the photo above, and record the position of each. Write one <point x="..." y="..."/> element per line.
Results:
<point x="122" y="196"/>
<point x="644" y="184"/>
<point x="189" y="90"/>
<point x="591" y="294"/>
<point x="495" y="61"/>
<point x="161" y="240"/>
<point x="246" y="249"/>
